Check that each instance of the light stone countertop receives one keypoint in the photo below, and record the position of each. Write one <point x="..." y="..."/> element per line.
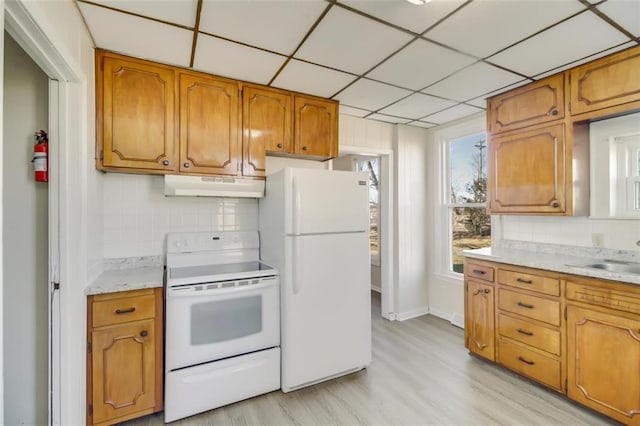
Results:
<point x="565" y="259"/>
<point x="128" y="274"/>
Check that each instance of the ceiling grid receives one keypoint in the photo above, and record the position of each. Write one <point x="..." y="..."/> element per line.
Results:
<point x="386" y="60"/>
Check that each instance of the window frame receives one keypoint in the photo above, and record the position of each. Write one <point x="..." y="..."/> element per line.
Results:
<point x="442" y="232"/>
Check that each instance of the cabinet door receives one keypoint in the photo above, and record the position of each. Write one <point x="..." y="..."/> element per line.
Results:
<point x="535" y="103"/>
<point x="266" y="124"/>
<point x="479" y="319"/>
<point x="123" y="370"/>
<point x="527" y="171"/>
<point x="606" y="82"/>
<point x="135" y="111"/>
<point x="209" y="122"/>
<point x="603" y="367"/>
<point x="316" y="127"/>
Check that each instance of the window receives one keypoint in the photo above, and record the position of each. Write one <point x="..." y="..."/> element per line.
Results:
<point x="372" y="166"/>
<point x="468" y="223"/>
<point x="625" y="167"/>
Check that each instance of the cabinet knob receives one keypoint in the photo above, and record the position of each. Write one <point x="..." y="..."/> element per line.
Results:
<point x="165" y="162"/>
<point x="554" y="112"/>
<point x="555" y="204"/>
<point x="187" y="165"/>
<point x="144" y="333"/>
<point x="304" y="148"/>
<point x="486" y="291"/>
<point x="279" y="145"/>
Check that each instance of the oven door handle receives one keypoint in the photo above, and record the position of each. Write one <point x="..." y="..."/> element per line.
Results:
<point x="190" y="292"/>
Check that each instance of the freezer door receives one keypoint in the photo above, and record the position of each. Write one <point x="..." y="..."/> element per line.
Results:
<point x="326" y="201"/>
<point x="326" y="308"/>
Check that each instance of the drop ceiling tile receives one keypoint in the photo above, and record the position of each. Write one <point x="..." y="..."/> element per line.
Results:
<point x="485" y="26"/>
<point x="480" y="102"/>
<point x="574" y="39"/>
<point x="274" y="25"/>
<point x="233" y="60"/>
<point x="419" y="64"/>
<point x="585" y="60"/>
<point x="624" y="12"/>
<point x="422" y="124"/>
<point x="471" y="82"/>
<point x="388" y="118"/>
<point x="371" y="95"/>
<point x="350" y="42"/>
<point x="416" y="18"/>
<point x="357" y="112"/>
<point x="307" y="78"/>
<point x="416" y="106"/>
<point x="138" y="37"/>
<point x="453" y="113"/>
<point x="182" y="12"/>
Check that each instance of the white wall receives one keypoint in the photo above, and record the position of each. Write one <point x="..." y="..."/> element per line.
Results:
<point x="364" y="133"/>
<point x="25" y="231"/>
<point x="138" y="215"/>
<point x="60" y="21"/>
<point x="411" y="230"/>
<point x="576" y="231"/>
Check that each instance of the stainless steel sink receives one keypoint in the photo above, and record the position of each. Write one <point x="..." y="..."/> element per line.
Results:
<point x="615" y="266"/>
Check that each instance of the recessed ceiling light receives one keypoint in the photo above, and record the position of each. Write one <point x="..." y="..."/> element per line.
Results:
<point x="419" y="1"/>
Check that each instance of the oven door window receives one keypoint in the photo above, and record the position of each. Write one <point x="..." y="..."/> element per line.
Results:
<point x="225" y="320"/>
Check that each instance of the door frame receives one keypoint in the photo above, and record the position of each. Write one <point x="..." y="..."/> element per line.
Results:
<point x="388" y="305"/>
<point x="18" y="22"/>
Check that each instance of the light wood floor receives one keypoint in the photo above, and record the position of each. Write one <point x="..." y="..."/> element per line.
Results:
<point x="420" y="374"/>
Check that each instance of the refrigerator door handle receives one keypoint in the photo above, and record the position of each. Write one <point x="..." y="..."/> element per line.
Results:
<point x="296" y="266"/>
<point x="296" y="206"/>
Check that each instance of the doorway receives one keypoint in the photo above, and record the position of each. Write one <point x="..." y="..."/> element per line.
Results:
<point x="25" y="241"/>
<point x="378" y="164"/>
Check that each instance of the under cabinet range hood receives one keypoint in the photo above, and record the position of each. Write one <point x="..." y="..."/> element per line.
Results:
<point x="212" y="186"/>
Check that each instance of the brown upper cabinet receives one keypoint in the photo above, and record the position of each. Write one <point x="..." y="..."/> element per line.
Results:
<point x="316" y="127"/>
<point x="527" y="171"/>
<point x="267" y="117"/>
<point x="539" y="135"/>
<point x="535" y="103"/>
<point x="607" y="82"/>
<point x="209" y="122"/>
<point x="135" y="115"/>
<point x="157" y="119"/>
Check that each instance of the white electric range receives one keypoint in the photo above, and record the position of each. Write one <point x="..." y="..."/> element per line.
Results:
<point x="222" y="322"/>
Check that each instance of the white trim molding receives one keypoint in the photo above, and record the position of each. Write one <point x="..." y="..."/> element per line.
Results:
<point x="414" y="313"/>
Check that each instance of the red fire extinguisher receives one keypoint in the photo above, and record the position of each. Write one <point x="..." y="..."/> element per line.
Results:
<point x="40" y="156"/>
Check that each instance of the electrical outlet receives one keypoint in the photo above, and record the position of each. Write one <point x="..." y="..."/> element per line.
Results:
<point x="597" y="240"/>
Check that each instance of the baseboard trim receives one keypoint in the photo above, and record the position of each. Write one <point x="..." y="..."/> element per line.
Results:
<point x="454" y="319"/>
<point x="414" y="313"/>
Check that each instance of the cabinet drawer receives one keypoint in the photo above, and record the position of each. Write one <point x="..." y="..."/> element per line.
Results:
<point x="480" y="272"/>
<point x="533" y="335"/>
<point x="529" y="363"/>
<point x="117" y="311"/>
<point x="544" y="310"/>
<point x="604" y="296"/>
<point x="550" y="286"/>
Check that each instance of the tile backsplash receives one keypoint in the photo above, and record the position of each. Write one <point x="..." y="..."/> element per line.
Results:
<point x="576" y="231"/>
<point x="137" y="215"/>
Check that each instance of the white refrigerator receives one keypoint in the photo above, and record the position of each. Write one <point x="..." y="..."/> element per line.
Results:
<point x="314" y="227"/>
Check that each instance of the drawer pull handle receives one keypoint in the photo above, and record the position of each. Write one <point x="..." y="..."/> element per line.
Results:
<point x="523" y="281"/>
<point x="125" y="311"/>
<point x="525" y="305"/>
<point x="144" y="333"/>
<point x="526" y="361"/>
<point x="525" y="332"/>
<point x="478" y="272"/>
<point x="482" y="291"/>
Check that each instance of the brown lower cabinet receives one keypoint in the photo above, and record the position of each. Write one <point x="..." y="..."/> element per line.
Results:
<point x="576" y="335"/>
<point x="124" y="356"/>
